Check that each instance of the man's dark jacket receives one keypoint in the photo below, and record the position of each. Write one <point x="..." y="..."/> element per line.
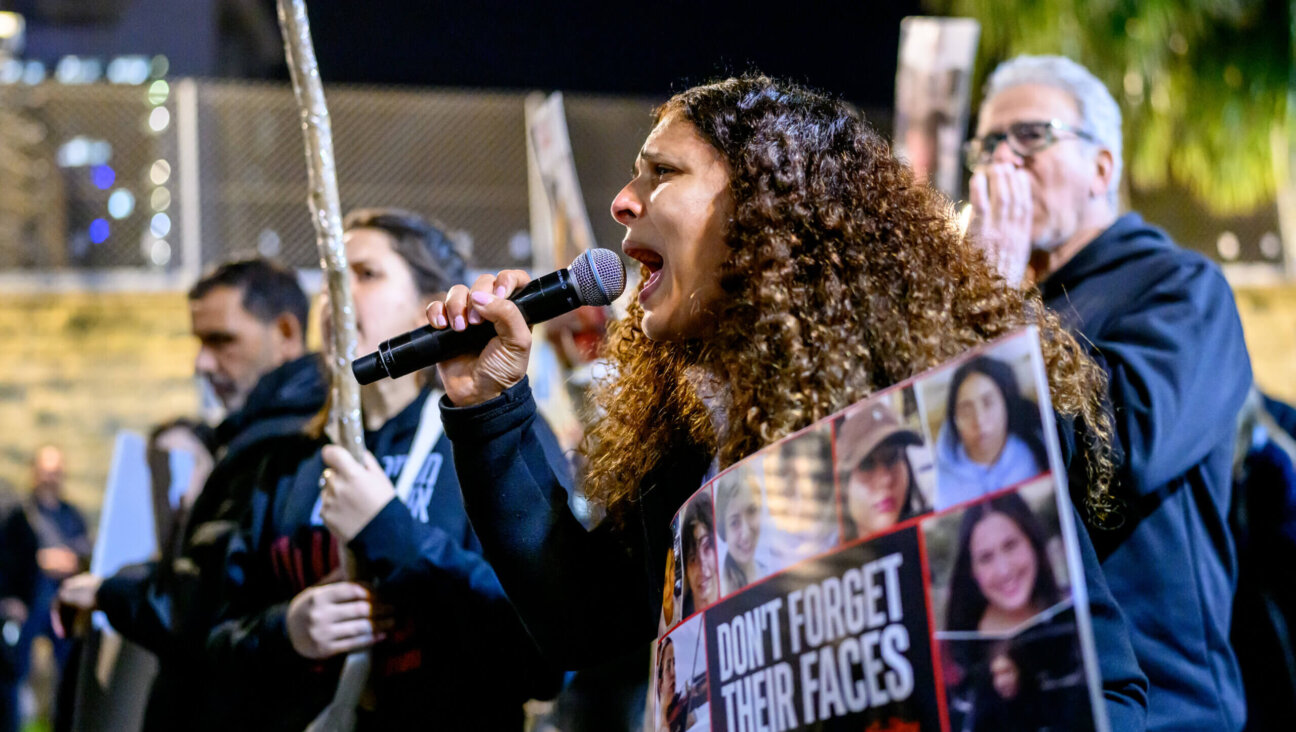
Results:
<point x="167" y="606"/>
<point x="1162" y="322"/>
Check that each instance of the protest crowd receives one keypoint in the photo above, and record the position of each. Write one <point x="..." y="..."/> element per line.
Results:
<point x="856" y="463"/>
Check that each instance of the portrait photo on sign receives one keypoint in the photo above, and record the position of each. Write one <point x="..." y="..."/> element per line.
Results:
<point x="1032" y="680"/>
<point x="998" y="563"/>
<point x="678" y="700"/>
<point x="985" y="417"/>
<point x="741" y="513"/>
<point x="801" y="499"/>
<point x="697" y="542"/>
<point x="884" y="467"/>
<point x="673" y="587"/>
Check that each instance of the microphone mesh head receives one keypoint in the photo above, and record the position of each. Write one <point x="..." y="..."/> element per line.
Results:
<point x="600" y="276"/>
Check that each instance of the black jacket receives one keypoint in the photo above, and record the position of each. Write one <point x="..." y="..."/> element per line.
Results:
<point x="1163" y="323"/>
<point x="167" y="606"/>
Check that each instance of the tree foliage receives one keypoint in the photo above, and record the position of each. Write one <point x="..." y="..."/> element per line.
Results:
<point x="1207" y="87"/>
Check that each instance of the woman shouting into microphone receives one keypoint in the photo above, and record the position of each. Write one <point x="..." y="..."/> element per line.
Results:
<point x="791" y="267"/>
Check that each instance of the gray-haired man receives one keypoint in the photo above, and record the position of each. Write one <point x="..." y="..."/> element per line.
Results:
<point x="1046" y="167"/>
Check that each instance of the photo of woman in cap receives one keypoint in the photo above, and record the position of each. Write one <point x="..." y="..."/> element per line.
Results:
<point x="878" y="486"/>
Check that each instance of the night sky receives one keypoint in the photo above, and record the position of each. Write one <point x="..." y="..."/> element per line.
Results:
<point x="627" y="48"/>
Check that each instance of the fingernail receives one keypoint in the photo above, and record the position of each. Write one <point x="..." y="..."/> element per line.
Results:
<point x="440" y="321"/>
<point x="483" y="298"/>
<point x="499" y="291"/>
<point x="474" y="317"/>
<point x="459" y="323"/>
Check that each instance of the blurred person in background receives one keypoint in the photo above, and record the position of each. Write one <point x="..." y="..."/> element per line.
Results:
<point x="249" y="318"/>
<point x="63" y="550"/>
<point x="1162" y="321"/>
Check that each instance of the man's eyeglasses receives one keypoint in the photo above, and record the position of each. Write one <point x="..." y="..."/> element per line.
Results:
<point x="1023" y="138"/>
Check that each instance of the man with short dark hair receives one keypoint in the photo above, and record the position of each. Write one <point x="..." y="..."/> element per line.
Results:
<point x="249" y="318"/>
<point x="1162" y="321"/>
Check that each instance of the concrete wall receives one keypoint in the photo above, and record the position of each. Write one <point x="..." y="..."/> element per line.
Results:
<point x="75" y="369"/>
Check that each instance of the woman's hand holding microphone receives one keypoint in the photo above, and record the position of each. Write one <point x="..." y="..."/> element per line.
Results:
<point x="474" y="378"/>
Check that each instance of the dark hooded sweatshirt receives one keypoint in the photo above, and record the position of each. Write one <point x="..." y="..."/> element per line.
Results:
<point x="166" y="606"/>
<point x="458" y="657"/>
<point x="1163" y="323"/>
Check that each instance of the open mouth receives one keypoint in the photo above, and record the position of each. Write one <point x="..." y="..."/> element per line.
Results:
<point x="652" y="262"/>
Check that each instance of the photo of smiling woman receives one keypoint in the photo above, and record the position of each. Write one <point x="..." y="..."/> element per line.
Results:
<point x="1002" y="576"/>
<point x="878" y="483"/>
<point x="738" y="510"/>
<point x="992" y="436"/>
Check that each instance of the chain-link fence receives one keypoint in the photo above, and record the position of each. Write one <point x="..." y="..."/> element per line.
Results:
<point x="76" y="162"/>
<point x="99" y="182"/>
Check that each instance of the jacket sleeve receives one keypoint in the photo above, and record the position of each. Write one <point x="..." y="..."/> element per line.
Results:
<point x="420" y="568"/>
<point x="1124" y="685"/>
<point x="136" y="606"/>
<point x="583" y="594"/>
<point x="1181" y="339"/>
<point x="18" y="568"/>
<point x="248" y="633"/>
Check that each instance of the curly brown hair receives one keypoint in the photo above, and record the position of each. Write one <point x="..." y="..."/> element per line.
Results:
<point x="845" y="276"/>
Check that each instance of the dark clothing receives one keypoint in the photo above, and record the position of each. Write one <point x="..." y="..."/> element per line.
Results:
<point x="1264" y="611"/>
<point x="18" y="577"/>
<point x="167" y="606"/>
<point x="1283" y="414"/>
<point x="1163" y="324"/>
<point x="61" y="526"/>
<point x="585" y="595"/>
<point x="458" y="657"/>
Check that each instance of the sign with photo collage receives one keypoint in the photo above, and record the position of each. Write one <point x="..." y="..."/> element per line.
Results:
<point x="907" y="564"/>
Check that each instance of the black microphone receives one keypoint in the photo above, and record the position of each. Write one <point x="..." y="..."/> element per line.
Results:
<point x="596" y="277"/>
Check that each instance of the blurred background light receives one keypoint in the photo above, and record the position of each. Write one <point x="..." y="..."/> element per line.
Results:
<point x="158" y="119"/>
<point x="11" y="25"/>
<point x="99" y="231"/>
<point x="158" y="92"/>
<point x="121" y="203"/>
<point x="268" y="243"/>
<point x="130" y="70"/>
<point x="160" y="199"/>
<point x="34" y="73"/>
<point x="160" y="253"/>
<point x="1228" y="245"/>
<point x="160" y="226"/>
<point x="160" y="66"/>
<point x="159" y="172"/>
<point x="103" y="177"/>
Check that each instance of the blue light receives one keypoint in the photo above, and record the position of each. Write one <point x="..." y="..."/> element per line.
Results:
<point x="98" y="231"/>
<point x="103" y="177"/>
